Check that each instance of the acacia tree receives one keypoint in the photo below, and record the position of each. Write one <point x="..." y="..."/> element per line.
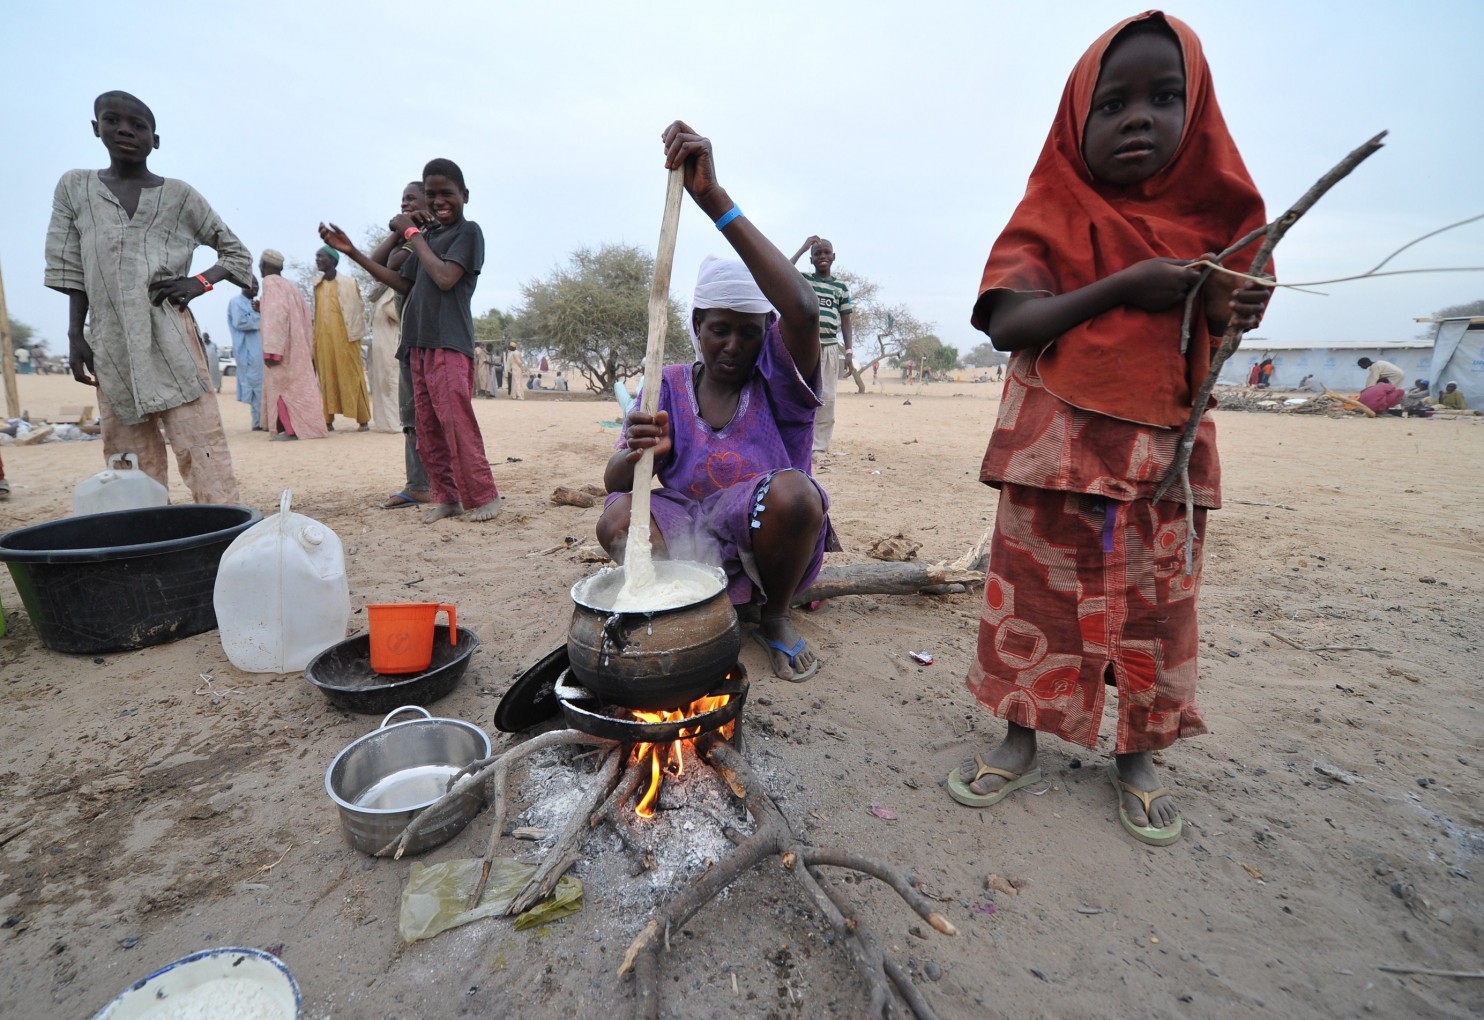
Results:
<point x="881" y="330"/>
<point x="492" y="325"/>
<point x="1430" y="330"/>
<point x="593" y="314"/>
<point x="985" y="356"/>
<point x="931" y="353"/>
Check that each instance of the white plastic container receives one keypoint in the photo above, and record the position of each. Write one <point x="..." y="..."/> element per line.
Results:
<point x="116" y="488"/>
<point x="281" y="595"/>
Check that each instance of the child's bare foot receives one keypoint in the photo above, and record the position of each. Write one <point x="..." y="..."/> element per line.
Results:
<point x="488" y="511"/>
<point x="441" y="512"/>
<point x="1137" y="770"/>
<point x="795" y="661"/>
<point x="1015" y="754"/>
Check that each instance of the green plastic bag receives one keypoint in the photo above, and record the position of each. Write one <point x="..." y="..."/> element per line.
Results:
<point x="434" y="897"/>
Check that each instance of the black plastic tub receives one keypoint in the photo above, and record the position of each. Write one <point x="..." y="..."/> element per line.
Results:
<point x="126" y="579"/>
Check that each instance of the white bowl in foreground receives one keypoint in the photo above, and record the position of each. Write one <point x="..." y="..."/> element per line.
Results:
<point x="214" y="984"/>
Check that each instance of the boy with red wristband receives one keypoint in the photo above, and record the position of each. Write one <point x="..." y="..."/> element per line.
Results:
<point x="438" y="339"/>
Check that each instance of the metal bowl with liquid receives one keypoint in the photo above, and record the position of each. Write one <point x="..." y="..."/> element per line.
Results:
<point x="382" y="781"/>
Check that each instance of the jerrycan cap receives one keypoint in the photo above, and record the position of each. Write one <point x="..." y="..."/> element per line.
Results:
<point x="313" y="535"/>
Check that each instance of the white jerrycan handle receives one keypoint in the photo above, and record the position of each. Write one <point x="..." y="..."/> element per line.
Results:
<point x="283" y="512"/>
<point x="130" y="460"/>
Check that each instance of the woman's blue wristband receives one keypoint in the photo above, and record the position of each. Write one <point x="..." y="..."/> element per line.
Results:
<point x="731" y="214"/>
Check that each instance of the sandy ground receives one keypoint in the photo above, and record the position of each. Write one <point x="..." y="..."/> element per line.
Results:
<point x="163" y="816"/>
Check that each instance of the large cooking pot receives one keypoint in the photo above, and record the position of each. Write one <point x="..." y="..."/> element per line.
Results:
<point x="663" y="657"/>
<point x="382" y="781"/>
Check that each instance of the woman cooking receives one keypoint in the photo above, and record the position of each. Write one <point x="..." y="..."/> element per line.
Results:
<point x="733" y="432"/>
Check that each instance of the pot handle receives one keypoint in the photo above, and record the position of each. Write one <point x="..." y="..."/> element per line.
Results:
<point x="405" y="708"/>
<point x="613" y="631"/>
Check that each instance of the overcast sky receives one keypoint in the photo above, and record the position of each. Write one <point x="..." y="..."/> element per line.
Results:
<point x="902" y="131"/>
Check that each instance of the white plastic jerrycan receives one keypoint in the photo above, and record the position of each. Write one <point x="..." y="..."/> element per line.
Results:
<point x="118" y="488"/>
<point x="281" y="595"/>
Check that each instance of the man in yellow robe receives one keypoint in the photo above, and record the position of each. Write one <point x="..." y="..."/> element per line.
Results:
<point x="339" y="325"/>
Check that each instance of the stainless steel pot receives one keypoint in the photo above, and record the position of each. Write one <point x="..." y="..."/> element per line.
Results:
<point x="382" y="781"/>
<point x="664" y="658"/>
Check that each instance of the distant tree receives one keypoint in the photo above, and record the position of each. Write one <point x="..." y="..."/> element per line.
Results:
<point x="593" y="314"/>
<point x="1454" y="311"/>
<point x="985" y="356"/>
<point x="880" y="330"/>
<point x="492" y="325"/>
<point x="930" y="352"/>
<point x="1430" y="329"/>
<point x="23" y="335"/>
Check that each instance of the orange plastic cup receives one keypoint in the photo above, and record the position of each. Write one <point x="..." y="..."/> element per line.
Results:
<point x="402" y="634"/>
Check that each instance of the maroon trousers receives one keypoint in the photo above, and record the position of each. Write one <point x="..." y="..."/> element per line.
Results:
<point x="448" y="437"/>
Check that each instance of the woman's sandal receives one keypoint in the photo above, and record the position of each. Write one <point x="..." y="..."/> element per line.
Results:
<point x="793" y="655"/>
<point x="1144" y="833"/>
<point x="960" y="790"/>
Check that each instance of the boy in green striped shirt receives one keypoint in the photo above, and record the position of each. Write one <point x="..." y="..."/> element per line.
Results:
<point x="835" y="332"/>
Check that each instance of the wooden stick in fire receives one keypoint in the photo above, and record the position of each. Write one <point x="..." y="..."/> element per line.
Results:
<point x="638" y="561"/>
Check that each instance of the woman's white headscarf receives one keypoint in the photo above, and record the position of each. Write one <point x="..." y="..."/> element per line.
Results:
<point x="726" y="283"/>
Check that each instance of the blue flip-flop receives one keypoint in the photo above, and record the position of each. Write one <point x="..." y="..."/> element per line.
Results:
<point x="793" y="655"/>
<point x="397" y="500"/>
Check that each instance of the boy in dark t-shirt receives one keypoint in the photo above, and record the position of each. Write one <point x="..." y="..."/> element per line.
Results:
<point x="438" y="339"/>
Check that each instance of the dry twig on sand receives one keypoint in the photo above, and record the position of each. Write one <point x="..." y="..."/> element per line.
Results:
<point x="1258" y="502"/>
<point x="1330" y="648"/>
<point x="1464" y="975"/>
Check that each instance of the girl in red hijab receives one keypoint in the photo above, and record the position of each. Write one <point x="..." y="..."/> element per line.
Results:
<point x="1086" y="286"/>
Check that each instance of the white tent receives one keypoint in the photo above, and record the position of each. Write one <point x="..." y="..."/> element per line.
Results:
<point x="1458" y="356"/>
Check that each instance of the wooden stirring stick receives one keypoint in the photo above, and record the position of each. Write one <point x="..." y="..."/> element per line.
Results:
<point x="638" y="558"/>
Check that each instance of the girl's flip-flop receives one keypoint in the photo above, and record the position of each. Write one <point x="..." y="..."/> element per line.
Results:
<point x="793" y="655"/>
<point x="959" y="790"/>
<point x="1144" y="833"/>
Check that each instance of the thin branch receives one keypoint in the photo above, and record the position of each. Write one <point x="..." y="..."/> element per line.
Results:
<point x="1372" y="274"/>
<point x="1424" y="237"/>
<point x="899" y="882"/>
<point x="1233" y="338"/>
<point x="1429" y="972"/>
<point x="1220" y="257"/>
<point x="1330" y="648"/>
<point x="1258" y="502"/>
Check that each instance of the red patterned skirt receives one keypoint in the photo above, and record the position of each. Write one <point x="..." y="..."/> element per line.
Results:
<point x="1081" y="586"/>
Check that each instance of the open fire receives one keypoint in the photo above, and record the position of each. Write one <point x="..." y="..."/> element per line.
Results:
<point x="669" y="755"/>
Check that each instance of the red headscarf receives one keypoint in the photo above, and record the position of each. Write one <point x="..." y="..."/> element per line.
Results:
<point x="1071" y="230"/>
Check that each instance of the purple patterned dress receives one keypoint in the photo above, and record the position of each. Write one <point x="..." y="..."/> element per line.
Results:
<point x="714" y="482"/>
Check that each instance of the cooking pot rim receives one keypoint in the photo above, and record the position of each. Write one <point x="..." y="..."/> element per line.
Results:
<point x="716" y="572"/>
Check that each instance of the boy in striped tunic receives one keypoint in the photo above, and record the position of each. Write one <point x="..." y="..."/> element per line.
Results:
<point x="835" y="335"/>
